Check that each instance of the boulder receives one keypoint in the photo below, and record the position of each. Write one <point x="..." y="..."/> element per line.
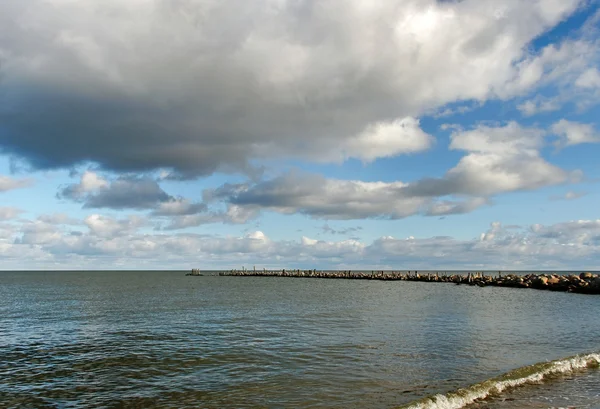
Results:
<point x="586" y="276"/>
<point x="539" y="282"/>
<point x="553" y="280"/>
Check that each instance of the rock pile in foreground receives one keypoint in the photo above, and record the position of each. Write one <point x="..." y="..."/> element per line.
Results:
<point x="587" y="283"/>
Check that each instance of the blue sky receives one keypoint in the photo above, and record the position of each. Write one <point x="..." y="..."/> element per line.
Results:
<point x="415" y="134"/>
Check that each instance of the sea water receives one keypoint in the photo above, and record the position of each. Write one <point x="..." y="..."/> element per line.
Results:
<point x="165" y="340"/>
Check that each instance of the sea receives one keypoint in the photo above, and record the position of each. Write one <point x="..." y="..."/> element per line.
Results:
<point x="161" y="339"/>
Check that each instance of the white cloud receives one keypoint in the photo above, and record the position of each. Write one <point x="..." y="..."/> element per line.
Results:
<point x="40" y="233"/>
<point x="107" y="227"/>
<point x="503" y="159"/>
<point x="7" y="183"/>
<point x="119" y="243"/>
<point x="537" y="105"/>
<point x="574" y="133"/>
<point x="589" y="79"/>
<point x="91" y="181"/>
<point x="9" y="213"/>
<point x="59" y="219"/>
<point x="570" y="195"/>
<point x="447" y="207"/>
<point x="386" y="139"/>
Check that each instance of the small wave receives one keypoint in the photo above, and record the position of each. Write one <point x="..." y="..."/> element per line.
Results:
<point x="527" y="374"/>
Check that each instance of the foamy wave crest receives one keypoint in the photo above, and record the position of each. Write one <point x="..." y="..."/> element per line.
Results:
<point x="527" y="374"/>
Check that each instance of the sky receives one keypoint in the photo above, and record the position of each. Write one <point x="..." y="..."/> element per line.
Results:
<point x="331" y="134"/>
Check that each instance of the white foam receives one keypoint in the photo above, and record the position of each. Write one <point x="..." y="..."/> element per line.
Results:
<point x="530" y="374"/>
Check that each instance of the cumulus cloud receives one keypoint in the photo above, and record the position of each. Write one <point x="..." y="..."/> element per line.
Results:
<point x="537" y="105"/>
<point x="59" y="219"/>
<point x="7" y="183"/>
<point x="378" y="140"/>
<point x="107" y="227"/>
<point x="39" y="233"/>
<point x="501" y="159"/>
<point x="198" y="86"/>
<point x="118" y="242"/>
<point x="498" y="159"/>
<point x="144" y="193"/>
<point x="574" y="133"/>
<point x="125" y="192"/>
<point x="319" y="197"/>
<point x="589" y="79"/>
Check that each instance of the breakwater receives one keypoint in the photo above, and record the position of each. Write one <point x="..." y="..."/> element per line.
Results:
<point x="586" y="283"/>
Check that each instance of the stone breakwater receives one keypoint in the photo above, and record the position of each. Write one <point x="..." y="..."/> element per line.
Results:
<point x="586" y="283"/>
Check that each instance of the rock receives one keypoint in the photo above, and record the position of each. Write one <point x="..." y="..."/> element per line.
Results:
<point x="553" y="280"/>
<point x="586" y="276"/>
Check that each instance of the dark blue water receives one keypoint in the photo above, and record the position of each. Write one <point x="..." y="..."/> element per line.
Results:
<point x="164" y="340"/>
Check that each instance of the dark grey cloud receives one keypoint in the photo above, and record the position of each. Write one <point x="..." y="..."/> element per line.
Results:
<point x="126" y="192"/>
<point x="321" y="198"/>
<point x="212" y="86"/>
<point x="178" y="207"/>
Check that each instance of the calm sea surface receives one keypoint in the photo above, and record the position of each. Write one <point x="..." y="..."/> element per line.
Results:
<point x="164" y="340"/>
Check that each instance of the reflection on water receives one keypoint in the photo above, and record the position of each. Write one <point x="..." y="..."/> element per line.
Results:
<point x="160" y="339"/>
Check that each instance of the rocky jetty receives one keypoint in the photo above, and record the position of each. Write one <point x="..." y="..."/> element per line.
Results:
<point x="586" y="283"/>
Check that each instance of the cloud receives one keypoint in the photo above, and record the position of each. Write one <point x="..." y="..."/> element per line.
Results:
<point x="498" y="159"/>
<point x="125" y="192"/>
<point x="196" y="86"/>
<point x="447" y="207"/>
<point x="39" y="233"/>
<point x="324" y="198"/>
<point x="231" y="215"/>
<point x="107" y="227"/>
<point x="539" y="104"/>
<point x="59" y="219"/>
<point x="144" y="193"/>
<point x="178" y="207"/>
<point x="9" y="213"/>
<point x="327" y="229"/>
<point x="570" y="195"/>
<point x="378" y="140"/>
<point x="589" y="79"/>
<point x="574" y="133"/>
<point x="119" y="243"/>
<point x="7" y="183"/>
